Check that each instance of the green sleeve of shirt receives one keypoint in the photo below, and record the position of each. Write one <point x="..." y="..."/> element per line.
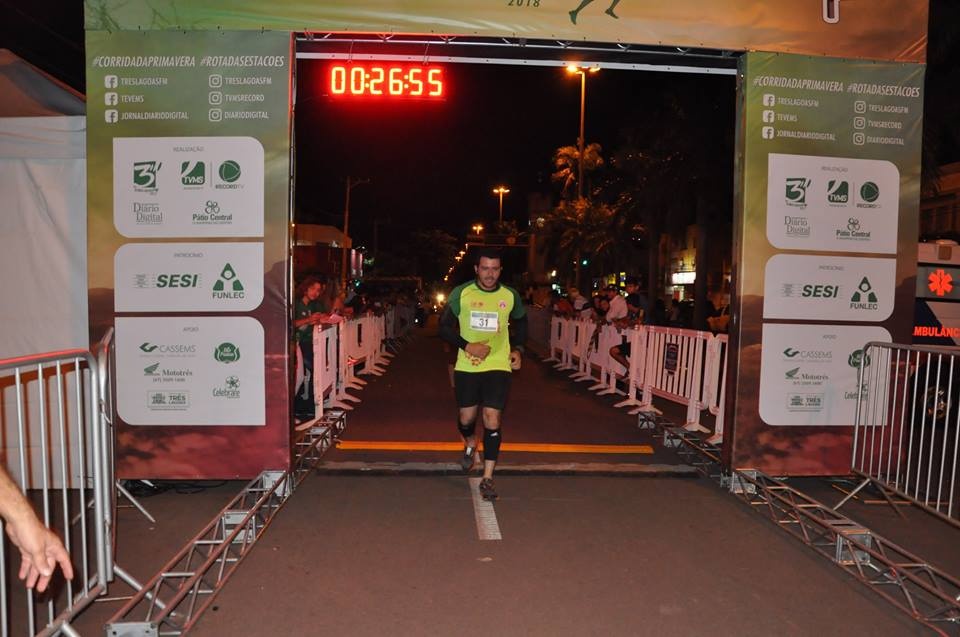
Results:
<point x="454" y="301"/>
<point x="519" y="309"/>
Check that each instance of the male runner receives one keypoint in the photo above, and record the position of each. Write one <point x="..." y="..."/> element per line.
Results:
<point x="484" y="310"/>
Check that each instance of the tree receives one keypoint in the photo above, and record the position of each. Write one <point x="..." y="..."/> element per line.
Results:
<point x="566" y="166"/>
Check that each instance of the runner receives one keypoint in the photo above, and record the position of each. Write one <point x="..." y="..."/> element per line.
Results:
<point x="484" y="310"/>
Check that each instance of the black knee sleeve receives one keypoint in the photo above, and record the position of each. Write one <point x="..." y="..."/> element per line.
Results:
<point x="467" y="430"/>
<point x="491" y="444"/>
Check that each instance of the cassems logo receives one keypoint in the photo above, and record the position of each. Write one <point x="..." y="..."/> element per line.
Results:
<point x="173" y="349"/>
<point x="808" y="355"/>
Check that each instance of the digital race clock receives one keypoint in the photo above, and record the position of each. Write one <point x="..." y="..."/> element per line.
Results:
<point x="382" y="80"/>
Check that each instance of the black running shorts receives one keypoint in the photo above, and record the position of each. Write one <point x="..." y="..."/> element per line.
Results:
<point x="489" y="389"/>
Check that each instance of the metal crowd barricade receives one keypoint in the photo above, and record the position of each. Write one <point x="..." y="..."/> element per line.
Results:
<point x="558" y="330"/>
<point x="675" y="366"/>
<point x="610" y="370"/>
<point x="715" y="383"/>
<point x="637" y="338"/>
<point x="56" y="451"/>
<point x="324" y="365"/>
<point x="906" y="433"/>
<point x="584" y="349"/>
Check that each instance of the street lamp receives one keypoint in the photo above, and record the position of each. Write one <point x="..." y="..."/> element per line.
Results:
<point x="582" y="72"/>
<point x="501" y="190"/>
<point x="478" y="228"/>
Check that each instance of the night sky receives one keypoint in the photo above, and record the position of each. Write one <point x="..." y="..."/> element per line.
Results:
<point x="434" y="164"/>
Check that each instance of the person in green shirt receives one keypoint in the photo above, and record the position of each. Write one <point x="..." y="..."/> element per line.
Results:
<point x="309" y="309"/>
<point x="477" y="321"/>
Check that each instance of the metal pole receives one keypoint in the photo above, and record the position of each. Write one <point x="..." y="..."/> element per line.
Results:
<point x="501" y="205"/>
<point x="583" y="103"/>
<point x="346" y="230"/>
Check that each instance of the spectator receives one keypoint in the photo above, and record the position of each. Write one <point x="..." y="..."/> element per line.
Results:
<point x="560" y="305"/>
<point x="581" y="306"/>
<point x="638" y="306"/>
<point x="618" y="305"/>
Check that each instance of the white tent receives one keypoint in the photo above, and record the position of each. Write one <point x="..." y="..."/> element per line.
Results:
<point x="43" y="220"/>
<point x="43" y="256"/>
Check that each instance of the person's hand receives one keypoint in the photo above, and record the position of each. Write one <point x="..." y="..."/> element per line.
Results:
<point x="40" y="551"/>
<point x="515" y="360"/>
<point x="478" y="350"/>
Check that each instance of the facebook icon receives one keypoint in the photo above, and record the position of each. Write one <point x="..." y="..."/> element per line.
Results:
<point x="111" y="116"/>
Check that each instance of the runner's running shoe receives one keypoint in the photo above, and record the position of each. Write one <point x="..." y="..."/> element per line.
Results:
<point x="487" y="489"/>
<point x="468" y="459"/>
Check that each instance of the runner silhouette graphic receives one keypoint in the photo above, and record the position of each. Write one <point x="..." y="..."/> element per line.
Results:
<point x="584" y="3"/>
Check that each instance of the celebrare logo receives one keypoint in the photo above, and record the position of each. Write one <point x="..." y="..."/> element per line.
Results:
<point x="228" y="276"/>
<point x="193" y="173"/>
<point x="796" y="191"/>
<point x="838" y="191"/>
<point x="226" y="353"/>
<point x="145" y="176"/>
<point x="864" y="298"/>
<point x="230" y="388"/>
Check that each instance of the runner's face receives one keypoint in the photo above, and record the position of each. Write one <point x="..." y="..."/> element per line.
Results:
<point x="488" y="272"/>
<point x="313" y="292"/>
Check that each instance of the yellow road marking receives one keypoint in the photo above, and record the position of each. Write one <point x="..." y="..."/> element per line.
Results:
<point x="530" y="447"/>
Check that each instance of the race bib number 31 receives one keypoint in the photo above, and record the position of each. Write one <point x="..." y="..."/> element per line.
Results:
<point x="484" y="321"/>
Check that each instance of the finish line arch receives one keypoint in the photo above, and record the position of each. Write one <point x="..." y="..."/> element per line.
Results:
<point x="189" y="169"/>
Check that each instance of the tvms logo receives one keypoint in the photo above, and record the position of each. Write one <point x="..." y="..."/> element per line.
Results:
<point x="228" y="277"/>
<point x="864" y="298"/>
<point x="193" y="173"/>
<point x="796" y="191"/>
<point x="869" y="194"/>
<point x="145" y="176"/>
<point x="838" y="192"/>
<point x="229" y="173"/>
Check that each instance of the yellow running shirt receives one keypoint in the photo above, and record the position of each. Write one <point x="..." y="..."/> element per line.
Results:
<point x="485" y="316"/>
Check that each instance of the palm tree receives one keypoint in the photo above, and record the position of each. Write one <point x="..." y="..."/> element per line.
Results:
<point x="566" y="164"/>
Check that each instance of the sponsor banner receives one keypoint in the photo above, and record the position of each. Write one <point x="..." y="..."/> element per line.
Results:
<point x="880" y="29"/>
<point x="188" y="277"/>
<point x="190" y="371"/>
<point x="832" y="204"/>
<point x="188" y="186"/>
<point x="188" y="140"/>
<point x="808" y="373"/>
<point x="798" y="286"/>
<point x="827" y="198"/>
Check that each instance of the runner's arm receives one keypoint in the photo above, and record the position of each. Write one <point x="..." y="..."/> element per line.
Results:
<point x="449" y="329"/>
<point x="519" y="339"/>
